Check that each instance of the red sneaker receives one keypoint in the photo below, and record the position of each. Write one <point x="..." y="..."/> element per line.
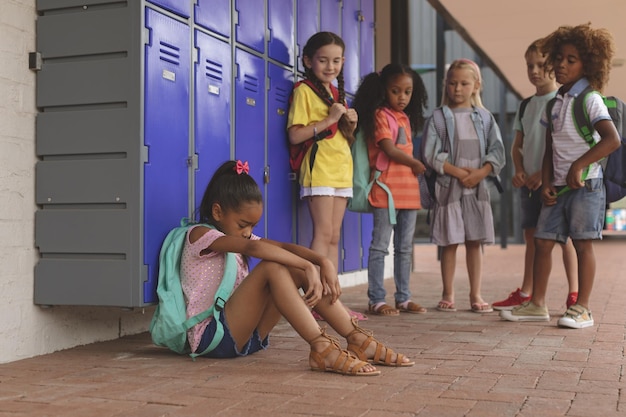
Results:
<point x="515" y="299"/>
<point x="571" y="299"/>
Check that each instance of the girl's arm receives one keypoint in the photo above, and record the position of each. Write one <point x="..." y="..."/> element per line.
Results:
<point x="300" y="133"/>
<point x="290" y="255"/>
<point x="396" y="155"/>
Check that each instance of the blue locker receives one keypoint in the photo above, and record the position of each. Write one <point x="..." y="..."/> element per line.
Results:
<point x="214" y="15"/>
<point x="250" y="27"/>
<point x="330" y="13"/>
<point x="350" y="36"/>
<point x="367" y="226"/>
<point x="278" y="204"/>
<point x="179" y="7"/>
<point x="307" y="25"/>
<point x="213" y="75"/>
<point x="167" y="66"/>
<point x="351" y="242"/>
<point x="304" y="232"/>
<point x="281" y="30"/>
<point x="250" y="117"/>
<point x="367" y="46"/>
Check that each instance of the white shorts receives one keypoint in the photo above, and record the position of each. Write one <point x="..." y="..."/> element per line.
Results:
<point x="325" y="191"/>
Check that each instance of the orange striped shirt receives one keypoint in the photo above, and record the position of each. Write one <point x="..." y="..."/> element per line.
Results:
<point x="399" y="178"/>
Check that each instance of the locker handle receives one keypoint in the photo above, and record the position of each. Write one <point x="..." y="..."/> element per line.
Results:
<point x="266" y="175"/>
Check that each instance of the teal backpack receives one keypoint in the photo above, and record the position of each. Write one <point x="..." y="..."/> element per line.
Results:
<point x="361" y="184"/>
<point x="169" y="323"/>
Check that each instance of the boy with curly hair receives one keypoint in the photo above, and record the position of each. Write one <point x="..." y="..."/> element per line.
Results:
<point x="572" y="191"/>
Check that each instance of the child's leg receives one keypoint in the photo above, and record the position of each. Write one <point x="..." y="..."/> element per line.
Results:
<point x="448" y="267"/>
<point x="271" y="288"/>
<point x="570" y="262"/>
<point x="541" y="270"/>
<point x="404" y="232"/>
<point x="586" y="270"/>
<point x="327" y="216"/>
<point x="474" y="262"/>
<point x="379" y="248"/>
<point x="529" y="256"/>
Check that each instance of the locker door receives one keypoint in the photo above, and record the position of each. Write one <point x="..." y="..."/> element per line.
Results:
<point x="250" y="117"/>
<point x="281" y="30"/>
<point x="278" y="203"/>
<point x="214" y="15"/>
<point x="366" y="44"/>
<point x="213" y="74"/>
<point x="330" y="16"/>
<point x="304" y="232"/>
<point x="250" y="27"/>
<point x="307" y="25"/>
<point x="178" y="7"/>
<point x="367" y="226"/>
<point x="350" y="36"/>
<point x="167" y="59"/>
<point x="351" y="242"/>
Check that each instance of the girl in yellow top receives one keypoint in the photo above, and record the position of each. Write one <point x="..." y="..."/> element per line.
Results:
<point x="326" y="172"/>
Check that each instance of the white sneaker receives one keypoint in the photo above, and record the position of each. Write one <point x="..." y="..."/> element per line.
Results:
<point x="576" y="317"/>
<point x="526" y="312"/>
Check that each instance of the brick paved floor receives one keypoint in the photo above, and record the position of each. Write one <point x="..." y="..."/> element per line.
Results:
<point x="467" y="364"/>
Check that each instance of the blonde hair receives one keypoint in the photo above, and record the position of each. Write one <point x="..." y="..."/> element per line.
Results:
<point x="466" y="64"/>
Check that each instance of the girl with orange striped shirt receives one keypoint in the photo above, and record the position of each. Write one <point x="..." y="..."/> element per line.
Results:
<point x="391" y="103"/>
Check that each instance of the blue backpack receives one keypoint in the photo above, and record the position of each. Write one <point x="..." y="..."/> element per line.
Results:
<point x="361" y="183"/>
<point x="614" y="165"/>
<point x="169" y="323"/>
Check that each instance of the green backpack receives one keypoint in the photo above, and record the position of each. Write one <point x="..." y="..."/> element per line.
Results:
<point x="361" y="184"/>
<point x="169" y="323"/>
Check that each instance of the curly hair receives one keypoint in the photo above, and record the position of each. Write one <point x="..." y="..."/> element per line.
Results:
<point x="314" y="43"/>
<point x="372" y="94"/>
<point x="595" y="47"/>
<point x="464" y="64"/>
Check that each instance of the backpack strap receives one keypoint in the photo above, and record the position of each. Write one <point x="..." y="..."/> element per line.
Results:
<point x="221" y="296"/>
<point x="382" y="163"/>
<point x="522" y="107"/>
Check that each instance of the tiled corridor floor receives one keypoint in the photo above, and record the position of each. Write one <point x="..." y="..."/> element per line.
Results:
<point x="467" y="364"/>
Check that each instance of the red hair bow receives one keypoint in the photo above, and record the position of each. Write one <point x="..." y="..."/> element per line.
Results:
<point x="242" y="167"/>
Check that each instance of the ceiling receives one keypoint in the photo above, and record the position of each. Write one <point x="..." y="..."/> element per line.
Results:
<point x="501" y="30"/>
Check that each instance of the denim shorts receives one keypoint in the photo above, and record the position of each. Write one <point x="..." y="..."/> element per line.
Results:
<point x="531" y="207"/>
<point x="578" y="214"/>
<point x="227" y="348"/>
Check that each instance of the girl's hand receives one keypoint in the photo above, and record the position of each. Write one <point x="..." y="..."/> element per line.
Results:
<point x="330" y="281"/>
<point x="418" y="167"/>
<point x="473" y="177"/>
<point x="336" y="111"/>
<point x="315" y="290"/>
<point x="352" y="116"/>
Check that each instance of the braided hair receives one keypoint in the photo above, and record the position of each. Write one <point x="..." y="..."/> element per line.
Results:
<point x="314" y="43"/>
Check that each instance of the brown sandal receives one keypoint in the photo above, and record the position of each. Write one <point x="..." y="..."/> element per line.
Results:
<point x="345" y="364"/>
<point x="359" y="351"/>
<point x="411" y="307"/>
<point x="383" y="310"/>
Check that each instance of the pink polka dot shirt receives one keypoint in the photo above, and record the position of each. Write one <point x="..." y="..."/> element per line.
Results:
<point x="200" y="277"/>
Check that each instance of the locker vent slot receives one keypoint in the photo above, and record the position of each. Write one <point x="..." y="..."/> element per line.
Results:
<point x="214" y="70"/>
<point x="251" y="83"/>
<point x="282" y="95"/>
<point x="169" y="53"/>
<point x="84" y="256"/>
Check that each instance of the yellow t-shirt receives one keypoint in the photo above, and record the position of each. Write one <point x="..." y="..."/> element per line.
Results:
<point x="332" y="165"/>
